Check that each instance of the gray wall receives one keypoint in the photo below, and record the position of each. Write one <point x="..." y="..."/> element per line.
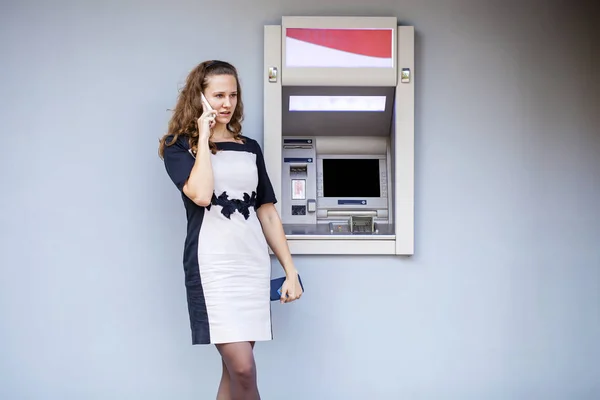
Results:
<point x="501" y="300"/>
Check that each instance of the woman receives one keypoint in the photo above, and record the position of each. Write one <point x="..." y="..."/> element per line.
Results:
<point x="232" y="220"/>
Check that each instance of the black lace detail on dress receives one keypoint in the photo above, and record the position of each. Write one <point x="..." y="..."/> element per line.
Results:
<point x="229" y="206"/>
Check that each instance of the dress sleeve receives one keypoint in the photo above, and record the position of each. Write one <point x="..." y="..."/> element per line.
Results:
<point x="264" y="192"/>
<point x="178" y="161"/>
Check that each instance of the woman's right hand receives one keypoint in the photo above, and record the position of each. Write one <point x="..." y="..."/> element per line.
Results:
<point x="205" y="123"/>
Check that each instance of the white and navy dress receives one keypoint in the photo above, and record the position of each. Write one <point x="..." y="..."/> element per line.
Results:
<point x="226" y="259"/>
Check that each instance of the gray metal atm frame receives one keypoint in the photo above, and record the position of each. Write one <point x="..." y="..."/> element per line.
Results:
<point x="295" y="144"/>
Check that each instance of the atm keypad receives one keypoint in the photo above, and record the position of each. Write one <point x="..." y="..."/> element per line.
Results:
<point x="298" y="210"/>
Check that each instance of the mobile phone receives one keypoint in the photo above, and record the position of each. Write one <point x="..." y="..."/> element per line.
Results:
<point x="206" y="103"/>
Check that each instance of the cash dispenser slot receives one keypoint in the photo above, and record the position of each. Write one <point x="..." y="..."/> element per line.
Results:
<point x="357" y="221"/>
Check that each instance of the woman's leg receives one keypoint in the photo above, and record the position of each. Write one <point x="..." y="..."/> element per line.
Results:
<point x="238" y="380"/>
<point x="224" y="386"/>
<point x="223" y="393"/>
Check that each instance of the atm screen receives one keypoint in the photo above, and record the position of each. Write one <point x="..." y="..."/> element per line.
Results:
<point x="351" y="177"/>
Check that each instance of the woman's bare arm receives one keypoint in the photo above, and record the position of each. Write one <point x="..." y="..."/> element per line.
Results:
<point x="200" y="184"/>
<point x="273" y="231"/>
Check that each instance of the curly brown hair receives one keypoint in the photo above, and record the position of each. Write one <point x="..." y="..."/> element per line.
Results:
<point x="188" y="109"/>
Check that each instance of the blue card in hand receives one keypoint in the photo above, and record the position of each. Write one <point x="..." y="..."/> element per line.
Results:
<point x="276" y="287"/>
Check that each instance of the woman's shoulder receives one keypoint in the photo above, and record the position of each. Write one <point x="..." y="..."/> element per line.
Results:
<point x="251" y="143"/>
<point x="176" y="142"/>
<point x="247" y="139"/>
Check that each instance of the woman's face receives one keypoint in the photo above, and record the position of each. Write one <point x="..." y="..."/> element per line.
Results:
<point x="221" y="93"/>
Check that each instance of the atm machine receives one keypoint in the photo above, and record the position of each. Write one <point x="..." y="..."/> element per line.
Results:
<point x="339" y="133"/>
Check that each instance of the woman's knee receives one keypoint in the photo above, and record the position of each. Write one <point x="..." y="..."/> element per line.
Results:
<point x="239" y="361"/>
<point x="244" y="373"/>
